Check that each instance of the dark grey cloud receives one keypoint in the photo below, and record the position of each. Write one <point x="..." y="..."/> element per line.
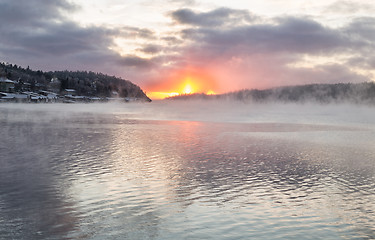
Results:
<point x="39" y="27"/>
<point x="362" y="30"/>
<point x="288" y="35"/>
<point x="135" y="32"/>
<point x="265" y="49"/>
<point x="172" y="40"/>
<point x="215" y="18"/>
<point x="282" y="35"/>
<point x="58" y="39"/>
<point x="151" y="49"/>
<point x="135" y="61"/>
<point x="40" y="34"/>
<point x="31" y="12"/>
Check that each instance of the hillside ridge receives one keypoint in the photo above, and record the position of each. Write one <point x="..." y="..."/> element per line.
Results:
<point x="322" y="93"/>
<point x="84" y="83"/>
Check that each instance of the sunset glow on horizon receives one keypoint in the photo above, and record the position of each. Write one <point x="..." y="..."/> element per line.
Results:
<point x="185" y="89"/>
<point x="183" y="82"/>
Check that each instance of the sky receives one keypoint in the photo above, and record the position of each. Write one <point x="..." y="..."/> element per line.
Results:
<point x="185" y="46"/>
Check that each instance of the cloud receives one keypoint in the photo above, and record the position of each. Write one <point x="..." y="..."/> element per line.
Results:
<point x="40" y="28"/>
<point x="329" y="73"/>
<point x="215" y="18"/>
<point x="58" y="39"/>
<point x="235" y="47"/>
<point x="364" y="62"/>
<point x="348" y="7"/>
<point x="288" y="35"/>
<point x="135" y="32"/>
<point x="150" y="49"/>
<point x="39" y="33"/>
<point x="362" y="29"/>
<point x="172" y="40"/>
<point x="135" y="61"/>
<point x="259" y="54"/>
<point x="184" y="2"/>
<point x="31" y="12"/>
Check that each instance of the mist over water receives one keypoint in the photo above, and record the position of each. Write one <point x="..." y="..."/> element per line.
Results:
<point x="187" y="170"/>
<point x="196" y="110"/>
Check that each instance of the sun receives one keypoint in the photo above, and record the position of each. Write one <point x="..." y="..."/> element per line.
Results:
<point x="187" y="89"/>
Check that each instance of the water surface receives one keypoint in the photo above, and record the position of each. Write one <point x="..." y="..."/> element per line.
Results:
<point x="201" y="171"/>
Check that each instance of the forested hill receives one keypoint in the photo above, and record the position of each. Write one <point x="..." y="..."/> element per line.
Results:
<point x="320" y="93"/>
<point x="85" y="83"/>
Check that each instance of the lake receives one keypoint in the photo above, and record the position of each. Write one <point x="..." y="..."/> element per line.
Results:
<point x="187" y="170"/>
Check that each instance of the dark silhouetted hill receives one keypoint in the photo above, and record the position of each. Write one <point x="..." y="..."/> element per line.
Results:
<point x="319" y="93"/>
<point x="83" y="82"/>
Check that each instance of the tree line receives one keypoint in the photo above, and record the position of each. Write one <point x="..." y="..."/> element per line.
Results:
<point x="85" y="83"/>
<point x="320" y="93"/>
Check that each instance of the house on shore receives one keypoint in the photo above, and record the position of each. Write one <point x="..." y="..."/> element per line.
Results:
<point x="70" y="92"/>
<point x="49" y="96"/>
<point x="13" y="97"/>
<point x="6" y="85"/>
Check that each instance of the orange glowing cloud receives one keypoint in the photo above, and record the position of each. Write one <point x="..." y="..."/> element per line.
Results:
<point x="185" y="81"/>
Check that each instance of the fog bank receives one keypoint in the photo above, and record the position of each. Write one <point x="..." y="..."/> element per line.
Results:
<point x="229" y="111"/>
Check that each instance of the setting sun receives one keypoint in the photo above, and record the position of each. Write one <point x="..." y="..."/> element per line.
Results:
<point x="187" y="89"/>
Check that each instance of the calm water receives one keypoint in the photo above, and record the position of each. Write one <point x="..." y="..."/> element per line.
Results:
<point x="169" y="171"/>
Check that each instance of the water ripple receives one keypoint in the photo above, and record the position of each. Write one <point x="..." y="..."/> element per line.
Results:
<point x="114" y="178"/>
